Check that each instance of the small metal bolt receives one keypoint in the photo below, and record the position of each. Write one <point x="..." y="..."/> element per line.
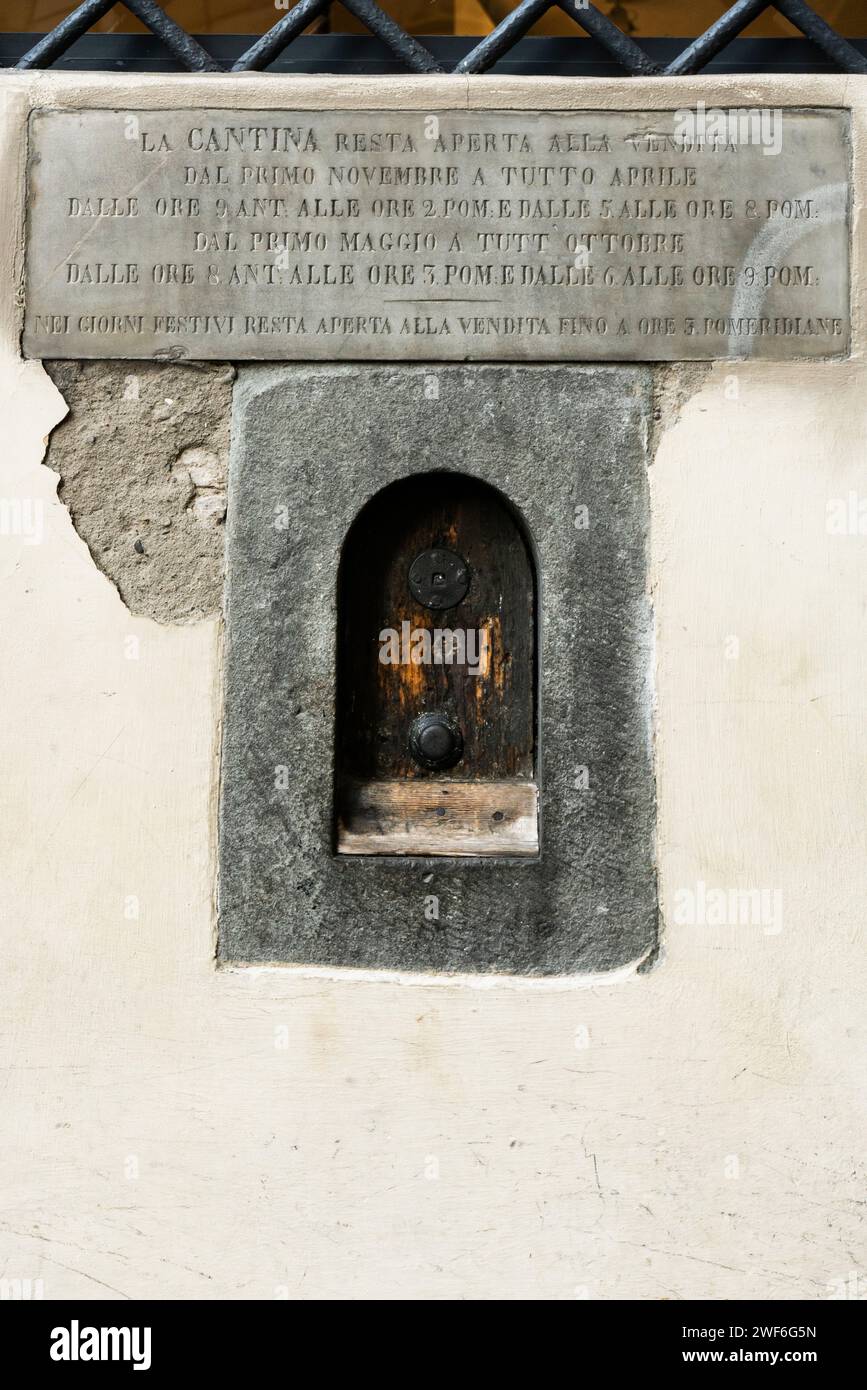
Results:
<point x="435" y="741"/>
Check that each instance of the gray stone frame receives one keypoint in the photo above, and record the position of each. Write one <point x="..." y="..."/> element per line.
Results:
<point x="321" y="441"/>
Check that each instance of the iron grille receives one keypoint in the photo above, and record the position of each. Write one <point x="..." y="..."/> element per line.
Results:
<point x="605" y="48"/>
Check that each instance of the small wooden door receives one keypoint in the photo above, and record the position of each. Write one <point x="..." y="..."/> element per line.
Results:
<point x="436" y="674"/>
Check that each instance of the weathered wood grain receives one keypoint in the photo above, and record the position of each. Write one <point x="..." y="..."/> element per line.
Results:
<point x="438" y="817"/>
<point x="377" y="702"/>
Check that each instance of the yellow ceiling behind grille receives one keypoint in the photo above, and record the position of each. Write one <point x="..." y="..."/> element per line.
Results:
<point x="680" y="18"/>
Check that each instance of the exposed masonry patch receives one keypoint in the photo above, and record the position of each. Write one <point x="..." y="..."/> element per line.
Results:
<point x="142" y="458"/>
<point x="674" y="384"/>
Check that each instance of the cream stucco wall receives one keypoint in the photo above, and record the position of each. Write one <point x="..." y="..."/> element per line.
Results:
<point x="429" y="1138"/>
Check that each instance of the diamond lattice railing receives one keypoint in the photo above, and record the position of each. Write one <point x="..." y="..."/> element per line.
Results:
<point x="415" y="57"/>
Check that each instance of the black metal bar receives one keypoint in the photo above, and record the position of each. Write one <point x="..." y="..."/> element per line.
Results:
<point x="271" y="44"/>
<point x="176" y="39"/>
<point x="409" y="50"/>
<point x="364" y="55"/>
<point x="604" y="31"/>
<point x="55" y="43"/>
<point x="504" y="37"/>
<point x="847" y="58"/>
<point x="697" y="54"/>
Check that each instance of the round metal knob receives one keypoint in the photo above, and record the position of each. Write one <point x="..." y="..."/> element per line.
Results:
<point x="438" y="578"/>
<point x="435" y="741"/>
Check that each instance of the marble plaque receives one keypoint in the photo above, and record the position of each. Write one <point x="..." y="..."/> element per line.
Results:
<point x="452" y="235"/>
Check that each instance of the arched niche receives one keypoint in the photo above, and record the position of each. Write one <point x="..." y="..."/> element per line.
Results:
<point x="436" y="674"/>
